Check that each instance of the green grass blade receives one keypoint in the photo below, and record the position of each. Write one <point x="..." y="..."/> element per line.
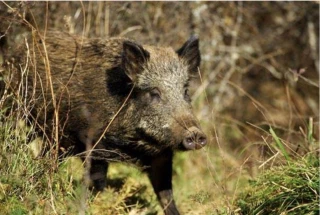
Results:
<point x="279" y="144"/>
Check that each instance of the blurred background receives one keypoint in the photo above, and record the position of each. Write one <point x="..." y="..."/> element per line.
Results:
<point x="259" y="69"/>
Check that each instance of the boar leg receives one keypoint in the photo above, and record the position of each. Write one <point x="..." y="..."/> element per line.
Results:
<point x="98" y="174"/>
<point x="160" y="174"/>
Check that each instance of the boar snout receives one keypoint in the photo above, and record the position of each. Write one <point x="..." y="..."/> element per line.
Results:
<point x="194" y="139"/>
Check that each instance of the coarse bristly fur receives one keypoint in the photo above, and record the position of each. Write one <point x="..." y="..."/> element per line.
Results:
<point x="131" y="100"/>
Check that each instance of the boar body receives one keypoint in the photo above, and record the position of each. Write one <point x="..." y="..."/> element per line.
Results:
<point x="124" y="101"/>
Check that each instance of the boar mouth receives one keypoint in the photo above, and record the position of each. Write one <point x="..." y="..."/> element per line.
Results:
<point x="192" y="139"/>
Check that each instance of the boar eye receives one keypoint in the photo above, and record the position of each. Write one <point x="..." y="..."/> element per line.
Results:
<point x="186" y="95"/>
<point x="155" y="95"/>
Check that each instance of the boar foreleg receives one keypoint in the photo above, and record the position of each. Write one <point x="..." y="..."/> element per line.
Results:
<point x="160" y="174"/>
<point x="98" y="174"/>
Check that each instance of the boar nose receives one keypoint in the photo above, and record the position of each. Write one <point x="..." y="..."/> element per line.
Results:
<point x="194" y="139"/>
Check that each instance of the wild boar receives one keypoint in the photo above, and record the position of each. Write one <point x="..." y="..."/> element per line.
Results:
<point x="118" y="99"/>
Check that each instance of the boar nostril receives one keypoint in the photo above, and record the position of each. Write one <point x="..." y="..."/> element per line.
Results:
<point x="189" y="140"/>
<point x="202" y="140"/>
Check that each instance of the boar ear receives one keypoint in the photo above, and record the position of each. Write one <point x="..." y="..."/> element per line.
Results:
<point x="133" y="59"/>
<point x="191" y="54"/>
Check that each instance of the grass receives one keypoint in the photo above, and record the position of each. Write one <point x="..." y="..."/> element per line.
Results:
<point x="289" y="189"/>
<point x="29" y="183"/>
